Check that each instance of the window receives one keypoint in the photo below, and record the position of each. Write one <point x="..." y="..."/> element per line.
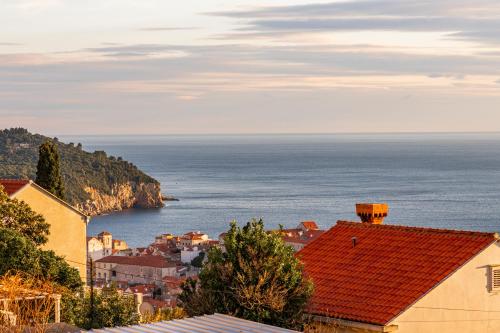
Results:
<point x="113" y="273"/>
<point x="495" y="278"/>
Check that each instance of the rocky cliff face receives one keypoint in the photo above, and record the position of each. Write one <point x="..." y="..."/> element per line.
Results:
<point x="123" y="196"/>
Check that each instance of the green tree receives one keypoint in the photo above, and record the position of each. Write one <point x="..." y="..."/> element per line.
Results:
<point x="198" y="261"/>
<point x="48" y="172"/>
<point x="110" y="309"/>
<point x="17" y="215"/>
<point x="18" y="253"/>
<point x="257" y="277"/>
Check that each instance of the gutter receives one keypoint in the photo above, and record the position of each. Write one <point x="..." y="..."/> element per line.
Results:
<point x="355" y="324"/>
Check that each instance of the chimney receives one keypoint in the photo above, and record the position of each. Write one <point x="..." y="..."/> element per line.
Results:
<point x="373" y="213"/>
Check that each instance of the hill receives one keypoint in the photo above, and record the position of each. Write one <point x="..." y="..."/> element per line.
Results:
<point x="94" y="182"/>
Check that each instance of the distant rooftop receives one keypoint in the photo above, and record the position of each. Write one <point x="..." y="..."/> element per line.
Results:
<point x="216" y="323"/>
<point x="11" y="186"/>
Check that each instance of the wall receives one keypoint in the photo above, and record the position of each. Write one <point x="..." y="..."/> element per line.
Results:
<point x="95" y="249"/>
<point x="462" y="303"/>
<point x="188" y="255"/>
<point x="68" y="229"/>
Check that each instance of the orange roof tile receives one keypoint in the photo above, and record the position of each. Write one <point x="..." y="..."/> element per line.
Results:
<point x="310" y="225"/>
<point x="388" y="269"/>
<point x="11" y="186"/>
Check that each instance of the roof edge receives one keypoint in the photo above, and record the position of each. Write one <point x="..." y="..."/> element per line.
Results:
<point x="418" y="229"/>
<point x="64" y="203"/>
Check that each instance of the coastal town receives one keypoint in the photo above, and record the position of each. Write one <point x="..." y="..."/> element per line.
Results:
<point x="158" y="270"/>
<point x="367" y="276"/>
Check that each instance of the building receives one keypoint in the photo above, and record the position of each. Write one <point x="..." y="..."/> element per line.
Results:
<point x="104" y="245"/>
<point x="193" y="238"/>
<point x="216" y="323"/>
<point x="373" y="277"/>
<point x="95" y="248"/>
<point x="135" y="269"/>
<point x="188" y="253"/>
<point x="68" y="226"/>
<point x="300" y="236"/>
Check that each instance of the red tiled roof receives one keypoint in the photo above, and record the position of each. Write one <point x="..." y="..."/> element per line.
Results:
<point x="11" y="186"/>
<point x="299" y="236"/>
<point x="148" y="261"/>
<point x="310" y="225"/>
<point x="388" y="269"/>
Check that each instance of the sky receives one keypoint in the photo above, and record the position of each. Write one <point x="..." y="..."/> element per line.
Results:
<point x="240" y="66"/>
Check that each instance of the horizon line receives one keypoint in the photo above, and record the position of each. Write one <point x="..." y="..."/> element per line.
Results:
<point x="278" y="133"/>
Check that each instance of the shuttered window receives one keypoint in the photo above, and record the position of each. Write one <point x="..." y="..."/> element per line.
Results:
<point x="495" y="278"/>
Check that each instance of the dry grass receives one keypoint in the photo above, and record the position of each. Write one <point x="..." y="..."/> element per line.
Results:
<point x="26" y="304"/>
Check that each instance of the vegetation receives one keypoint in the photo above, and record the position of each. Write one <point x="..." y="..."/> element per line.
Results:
<point x="257" y="278"/>
<point x="19" y="254"/>
<point x="164" y="314"/>
<point x="31" y="315"/>
<point x="79" y="169"/>
<point x="111" y="308"/>
<point x="48" y="173"/>
<point x="18" y="216"/>
<point x="198" y="261"/>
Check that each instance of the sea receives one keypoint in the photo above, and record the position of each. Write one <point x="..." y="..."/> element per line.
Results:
<point x="430" y="180"/>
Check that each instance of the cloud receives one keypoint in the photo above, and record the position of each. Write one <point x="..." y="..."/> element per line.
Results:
<point x="477" y="20"/>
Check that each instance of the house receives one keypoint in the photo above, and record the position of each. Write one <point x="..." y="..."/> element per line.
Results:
<point x="193" y="238"/>
<point x="371" y="277"/>
<point x="95" y="248"/>
<point x="216" y="323"/>
<point x="304" y="233"/>
<point x="188" y="253"/>
<point x="135" y="269"/>
<point x="104" y="245"/>
<point x="68" y="226"/>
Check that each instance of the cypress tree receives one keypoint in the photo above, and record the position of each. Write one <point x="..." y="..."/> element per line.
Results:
<point x="48" y="172"/>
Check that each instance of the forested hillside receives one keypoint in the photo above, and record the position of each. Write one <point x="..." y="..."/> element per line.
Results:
<point x="94" y="182"/>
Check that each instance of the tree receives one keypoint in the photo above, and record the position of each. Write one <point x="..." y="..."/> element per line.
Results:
<point x="19" y="254"/>
<point x="257" y="278"/>
<point x="198" y="261"/>
<point x="17" y="215"/>
<point x="110" y="309"/>
<point x="48" y="171"/>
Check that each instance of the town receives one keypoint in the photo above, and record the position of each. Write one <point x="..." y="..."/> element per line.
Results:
<point x="367" y="276"/>
<point x="157" y="271"/>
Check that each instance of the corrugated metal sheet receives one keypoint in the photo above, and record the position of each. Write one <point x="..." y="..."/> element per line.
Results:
<point x="216" y="323"/>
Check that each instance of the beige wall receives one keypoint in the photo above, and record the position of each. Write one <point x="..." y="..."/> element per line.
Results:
<point x="68" y="229"/>
<point x="462" y="303"/>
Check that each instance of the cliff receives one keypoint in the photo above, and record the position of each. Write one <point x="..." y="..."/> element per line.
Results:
<point x="123" y="196"/>
<point x="94" y="182"/>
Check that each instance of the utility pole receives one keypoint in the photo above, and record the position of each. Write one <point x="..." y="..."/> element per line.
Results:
<point x="92" y="301"/>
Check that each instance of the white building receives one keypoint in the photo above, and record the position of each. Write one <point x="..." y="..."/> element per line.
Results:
<point x="188" y="253"/>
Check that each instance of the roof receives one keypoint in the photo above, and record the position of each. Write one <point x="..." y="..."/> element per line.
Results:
<point x="148" y="261"/>
<point x="216" y="323"/>
<point x="388" y="269"/>
<point x="311" y="225"/>
<point x="11" y="186"/>
<point x="299" y="236"/>
<point x="104" y="233"/>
